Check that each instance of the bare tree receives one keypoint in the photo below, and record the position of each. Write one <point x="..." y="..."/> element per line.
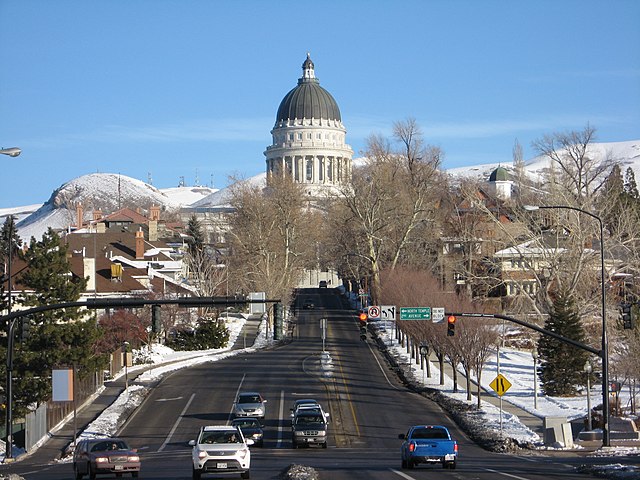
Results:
<point x="271" y="237"/>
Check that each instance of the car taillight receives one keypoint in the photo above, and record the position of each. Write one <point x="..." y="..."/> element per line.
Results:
<point x="102" y="459"/>
<point x="455" y="448"/>
<point x="412" y="447"/>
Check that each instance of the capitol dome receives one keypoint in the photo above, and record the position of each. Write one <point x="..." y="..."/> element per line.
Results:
<point x="309" y="139"/>
<point x="308" y="99"/>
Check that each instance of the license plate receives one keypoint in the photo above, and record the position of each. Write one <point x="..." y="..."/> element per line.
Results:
<point x="119" y="467"/>
<point x="222" y="465"/>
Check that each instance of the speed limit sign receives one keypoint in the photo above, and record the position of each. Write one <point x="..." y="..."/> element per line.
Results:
<point x="374" y="312"/>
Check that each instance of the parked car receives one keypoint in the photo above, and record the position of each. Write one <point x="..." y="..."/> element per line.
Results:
<point x="308" y="305"/>
<point x="309" y="428"/>
<point x="323" y="284"/>
<point x="221" y="449"/>
<point x="106" y="455"/>
<point x="249" y="404"/>
<point x="428" y="444"/>
<point x="251" y="428"/>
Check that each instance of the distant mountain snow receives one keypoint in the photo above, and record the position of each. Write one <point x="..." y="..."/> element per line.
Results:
<point x="109" y="191"/>
<point x="626" y="153"/>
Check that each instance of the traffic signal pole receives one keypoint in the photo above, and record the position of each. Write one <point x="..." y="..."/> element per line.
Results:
<point x="602" y="353"/>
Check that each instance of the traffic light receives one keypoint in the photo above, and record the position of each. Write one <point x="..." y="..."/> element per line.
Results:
<point x="25" y="328"/>
<point x="278" y="320"/>
<point x="627" y="316"/>
<point x="451" y="325"/>
<point x="156" y="322"/>
<point x="362" y="318"/>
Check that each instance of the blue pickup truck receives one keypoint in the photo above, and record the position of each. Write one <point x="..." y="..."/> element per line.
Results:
<point x="428" y="444"/>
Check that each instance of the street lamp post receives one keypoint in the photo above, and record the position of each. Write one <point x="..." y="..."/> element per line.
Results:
<point x="125" y="360"/>
<point x="534" y="354"/>
<point x="604" y="351"/>
<point x="12" y="152"/>
<point x="588" y="369"/>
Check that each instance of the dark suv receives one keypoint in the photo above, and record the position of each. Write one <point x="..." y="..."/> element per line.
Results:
<point x="309" y="428"/>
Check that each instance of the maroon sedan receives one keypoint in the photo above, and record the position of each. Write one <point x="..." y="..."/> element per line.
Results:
<point x="100" y="456"/>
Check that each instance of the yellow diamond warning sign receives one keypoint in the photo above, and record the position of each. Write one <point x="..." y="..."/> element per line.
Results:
<point x="500" y="385"/>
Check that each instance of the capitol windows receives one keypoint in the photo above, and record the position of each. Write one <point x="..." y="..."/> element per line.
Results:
<point x="300" y="136"/>
<point x="309" y="169"/>
<point x="291" y="137"/>
<point x="309" y="136"/>
<point x="319" y="136"/>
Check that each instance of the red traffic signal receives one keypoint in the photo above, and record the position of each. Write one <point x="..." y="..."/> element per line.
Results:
<point x="451" y="325"/>
<point x="363" y="317"/>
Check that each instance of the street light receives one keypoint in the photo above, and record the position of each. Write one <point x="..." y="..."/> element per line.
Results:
<point x="588" y="369"/>
<point x="11" y="325"/>
<point x="12" y="152"/>
<point x="534" y="354"/>
<point x="604" y="351"/>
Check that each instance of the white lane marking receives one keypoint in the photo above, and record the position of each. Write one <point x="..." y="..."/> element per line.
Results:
<point x="380" y="367"/>
<point x="402" y="474"/>
<point x="281" y="420"/>
<point x="175" y="425"/>
<point x="505" y="474"/>
<point x="168" y="399"/>
<point x="234" y="398"/>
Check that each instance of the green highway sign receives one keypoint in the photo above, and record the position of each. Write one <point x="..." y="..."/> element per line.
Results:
<point x="415" y="313"/>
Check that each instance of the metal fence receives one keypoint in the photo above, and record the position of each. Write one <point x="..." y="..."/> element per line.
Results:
<point x="45" y="418"/>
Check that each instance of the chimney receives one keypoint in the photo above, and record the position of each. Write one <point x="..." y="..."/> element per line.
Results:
<point x="89" y="265"/>
<point x="101" y="227"/>
<point x="153" y="230"/>
<point x="154" y="212"/>
<point x="79" y="215"/>
<point x="97" y="215"/>
<point x="139" y="245"/>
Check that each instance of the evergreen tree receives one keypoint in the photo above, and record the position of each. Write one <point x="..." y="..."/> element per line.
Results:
<point x="8" y="236"/>
<point x="630" y="186"/>
<point x="561" y="364"/>
<point x="58" y="338"/>
<point x="194" y="230"/>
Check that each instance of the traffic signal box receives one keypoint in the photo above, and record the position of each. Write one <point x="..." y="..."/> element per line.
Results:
<point x="362" y="318"/>
<point x="626" y="312"/>
<point x="451" y="325"/>
<point x="156" y="318"/>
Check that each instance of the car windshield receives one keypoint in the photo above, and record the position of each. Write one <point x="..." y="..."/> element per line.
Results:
<point x="429" y="433"/>
<point x="248" y="399"/>
<point x="109" y="445"/>
<point x="307" y="419"/>
<point x="226" y="436"/>
<point x="246" y="423"/>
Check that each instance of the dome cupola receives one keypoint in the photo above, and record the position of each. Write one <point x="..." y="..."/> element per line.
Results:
<point x="308" y="99"/>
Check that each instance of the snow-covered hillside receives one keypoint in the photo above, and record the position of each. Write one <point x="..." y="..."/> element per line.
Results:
<point x="107" y="191"/>
<point x="625" y="153"/>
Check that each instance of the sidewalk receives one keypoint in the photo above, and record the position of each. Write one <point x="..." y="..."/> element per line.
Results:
<point x="54" y="447"/>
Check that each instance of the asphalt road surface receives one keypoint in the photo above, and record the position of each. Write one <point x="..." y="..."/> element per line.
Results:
<point x="368" y="409"/>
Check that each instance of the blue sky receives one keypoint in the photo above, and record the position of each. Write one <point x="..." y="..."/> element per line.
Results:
<point x="190" y="88"/>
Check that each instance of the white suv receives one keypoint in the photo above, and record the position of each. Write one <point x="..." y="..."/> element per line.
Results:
<point x="221" y="449"/>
